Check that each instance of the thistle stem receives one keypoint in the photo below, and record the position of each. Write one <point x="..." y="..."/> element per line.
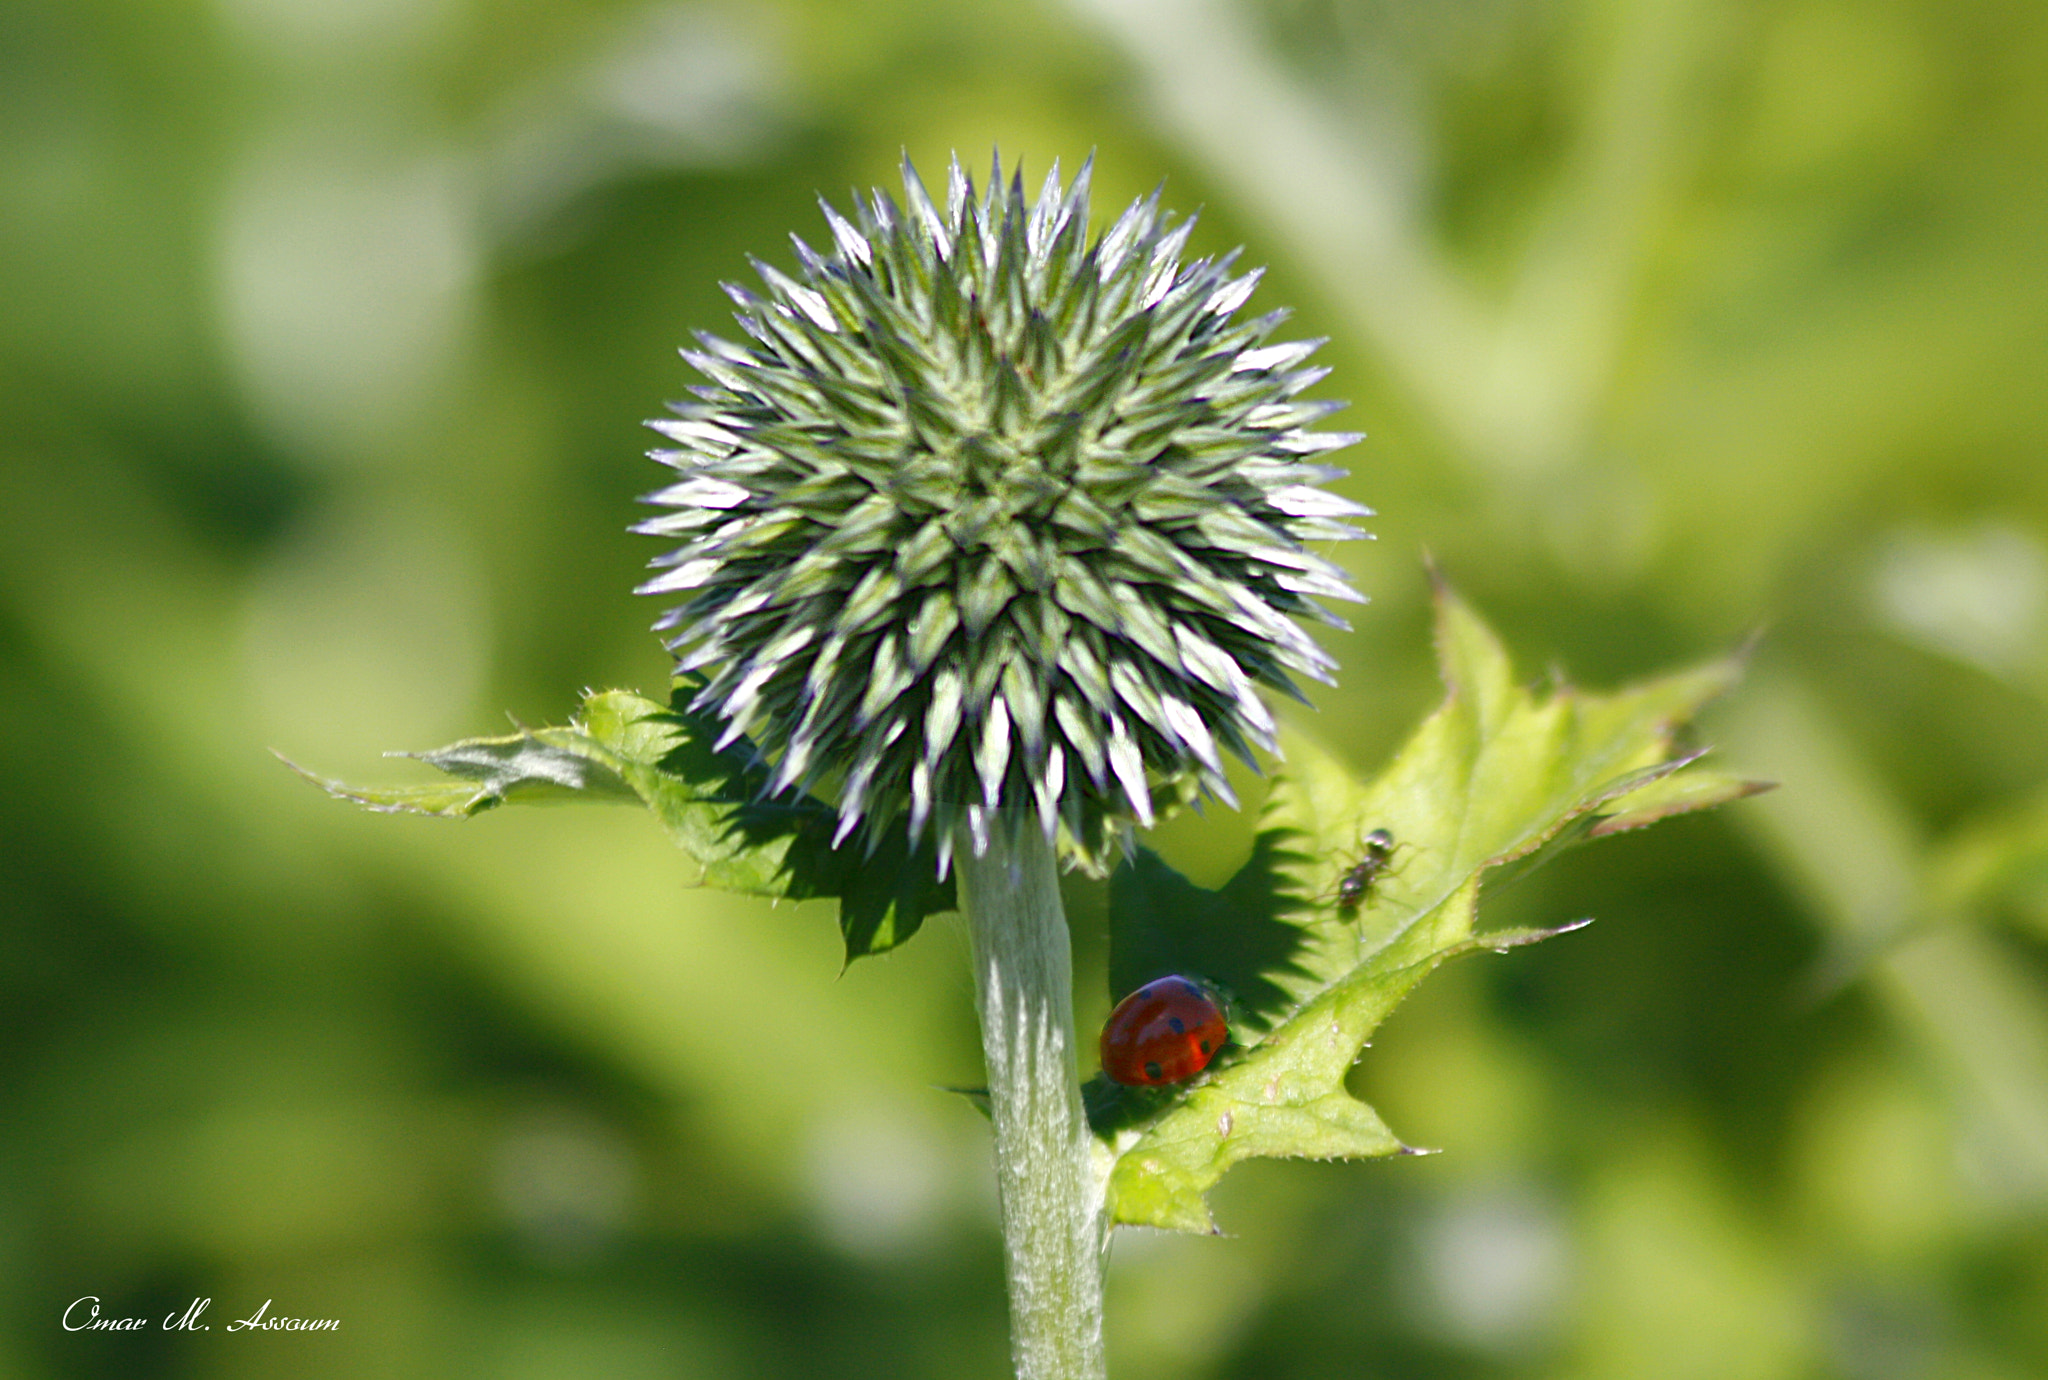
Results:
<point x="1050" y="1192"/>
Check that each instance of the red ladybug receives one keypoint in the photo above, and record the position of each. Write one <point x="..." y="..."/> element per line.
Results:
<point x="1165" y="1032"/>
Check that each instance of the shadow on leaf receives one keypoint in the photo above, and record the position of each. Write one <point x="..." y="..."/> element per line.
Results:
<point x="1239" y="937"/>
<point x="884" y="894"/>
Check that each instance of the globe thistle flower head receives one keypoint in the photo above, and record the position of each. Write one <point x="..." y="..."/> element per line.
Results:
<point x="985" y="517"/>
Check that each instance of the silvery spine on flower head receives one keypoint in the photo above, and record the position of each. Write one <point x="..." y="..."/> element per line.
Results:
<point x="985" y="517"/>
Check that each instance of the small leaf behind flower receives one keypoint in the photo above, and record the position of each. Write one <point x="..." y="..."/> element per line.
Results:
<point x="1496" y="775"/>
<point x="549" y="764"/>
<point x="625" y="747"/>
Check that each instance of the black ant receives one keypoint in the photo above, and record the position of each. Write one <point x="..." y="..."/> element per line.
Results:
<point x="1354" y="888"/>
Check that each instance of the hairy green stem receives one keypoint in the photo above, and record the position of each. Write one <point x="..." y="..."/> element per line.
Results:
<point x="1050" y="1191"/>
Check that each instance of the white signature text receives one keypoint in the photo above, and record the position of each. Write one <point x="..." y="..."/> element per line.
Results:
<point x="84" y="1316"/>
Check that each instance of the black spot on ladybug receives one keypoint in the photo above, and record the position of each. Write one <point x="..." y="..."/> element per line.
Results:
<point x="1165" y="1032"/>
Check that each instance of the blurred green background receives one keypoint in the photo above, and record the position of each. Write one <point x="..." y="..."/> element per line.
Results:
<point x="328" y="328"/>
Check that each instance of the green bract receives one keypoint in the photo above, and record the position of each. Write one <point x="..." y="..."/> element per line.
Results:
<point x="987" y="517"/>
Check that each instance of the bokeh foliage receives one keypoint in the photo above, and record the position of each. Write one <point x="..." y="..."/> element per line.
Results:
<point x="329" y="328"/>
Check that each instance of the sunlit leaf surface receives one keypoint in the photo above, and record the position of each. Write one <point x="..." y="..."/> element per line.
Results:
<point x="1498" y="772"/>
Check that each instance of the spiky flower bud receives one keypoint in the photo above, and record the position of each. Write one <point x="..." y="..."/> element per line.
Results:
<point x="987" y="517"/>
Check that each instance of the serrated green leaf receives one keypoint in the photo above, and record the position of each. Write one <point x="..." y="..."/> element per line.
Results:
<point x="1285" y="1098"/>
<point x="1675" y="794"/>
<point x="1494" y="774"/>
<point x="1498" y="774"/>
<point x="622" y="746"/>
<point x="551" y="764"/>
